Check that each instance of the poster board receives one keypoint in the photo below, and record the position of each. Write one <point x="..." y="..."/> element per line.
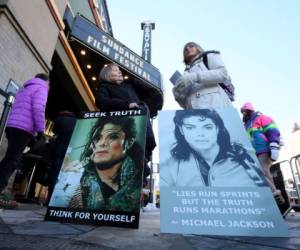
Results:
<point x="101" y="176"/>
<point x="211" y="182"/>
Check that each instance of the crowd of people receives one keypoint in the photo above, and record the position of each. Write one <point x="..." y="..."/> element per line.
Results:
<point x="104" y="182"/>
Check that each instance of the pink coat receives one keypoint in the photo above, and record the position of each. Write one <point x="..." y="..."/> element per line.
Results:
<point x="28" y="110"/>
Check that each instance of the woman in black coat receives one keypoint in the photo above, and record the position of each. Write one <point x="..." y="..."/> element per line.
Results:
<point x="113" y="94"/>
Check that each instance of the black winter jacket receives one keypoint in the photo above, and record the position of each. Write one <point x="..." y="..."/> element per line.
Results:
<point x="112" y="97"/>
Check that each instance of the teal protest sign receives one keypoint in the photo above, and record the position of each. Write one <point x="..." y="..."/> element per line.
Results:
<point x="101" y="177"/>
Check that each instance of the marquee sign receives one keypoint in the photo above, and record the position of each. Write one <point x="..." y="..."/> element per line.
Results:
<point x="102" y="42"/>
<point x="146" y="52"/>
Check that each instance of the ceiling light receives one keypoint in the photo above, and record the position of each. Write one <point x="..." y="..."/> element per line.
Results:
<point x="82" y="52"/>
<point x="126" y="77"/>
<point x="89" y="66"/>
<point x="94" y="78"/>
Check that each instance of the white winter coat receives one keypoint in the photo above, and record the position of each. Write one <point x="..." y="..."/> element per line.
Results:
<point x="199" y="87"/>
<point x="224" y="173"/>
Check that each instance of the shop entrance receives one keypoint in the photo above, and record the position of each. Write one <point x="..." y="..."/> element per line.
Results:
<point x="63" y="95"/>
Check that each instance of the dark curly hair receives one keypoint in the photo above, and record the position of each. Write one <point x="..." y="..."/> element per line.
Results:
<point x="181" y="149"/>
<point x="126" y="123"/>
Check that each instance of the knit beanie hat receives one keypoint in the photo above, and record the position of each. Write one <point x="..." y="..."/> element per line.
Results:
<point x="247" y="106"/>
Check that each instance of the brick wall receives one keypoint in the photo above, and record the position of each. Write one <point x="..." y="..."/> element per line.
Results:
<point x="37" y="22"/>
<point x="16" y="60"/>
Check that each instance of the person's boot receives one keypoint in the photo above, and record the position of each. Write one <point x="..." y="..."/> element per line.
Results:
<point x="7" y="201"/>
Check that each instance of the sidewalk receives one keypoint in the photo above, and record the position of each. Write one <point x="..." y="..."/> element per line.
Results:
<point x="26" y="229"/>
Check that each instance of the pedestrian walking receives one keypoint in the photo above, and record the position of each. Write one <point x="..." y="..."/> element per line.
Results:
<point x="265" y="138"/>
<point x="26" y="120"/>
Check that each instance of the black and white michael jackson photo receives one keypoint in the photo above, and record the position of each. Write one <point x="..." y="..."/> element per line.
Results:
<point x="206" y="147"/>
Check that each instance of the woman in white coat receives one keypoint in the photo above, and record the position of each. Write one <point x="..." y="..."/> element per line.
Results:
<point x="199" y="86"/>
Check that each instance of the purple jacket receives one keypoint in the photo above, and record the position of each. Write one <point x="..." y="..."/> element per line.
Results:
<point x="28" y="110"/>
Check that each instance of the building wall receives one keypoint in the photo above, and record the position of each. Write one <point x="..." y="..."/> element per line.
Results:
<point x="295" y="143"/>
<point x="291" y="148"/>
<point x="28" y="37"/>
<point x="38" y="24"/>
<point x="82" y="7"/>
<point x="61" y="6"/>
<point x="17" y="60"/>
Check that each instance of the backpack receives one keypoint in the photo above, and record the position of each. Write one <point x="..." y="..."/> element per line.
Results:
<point x="227" y="85"/>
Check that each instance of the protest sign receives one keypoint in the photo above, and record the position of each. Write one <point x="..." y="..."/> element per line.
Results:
<point x="211" y="182"/>
<point x="101" y="177"/>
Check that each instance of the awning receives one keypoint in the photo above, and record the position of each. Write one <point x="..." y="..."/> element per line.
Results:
<point x="94" y="48"/>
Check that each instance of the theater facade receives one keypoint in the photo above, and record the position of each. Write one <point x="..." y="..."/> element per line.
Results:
<point x="72" y="40"/>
